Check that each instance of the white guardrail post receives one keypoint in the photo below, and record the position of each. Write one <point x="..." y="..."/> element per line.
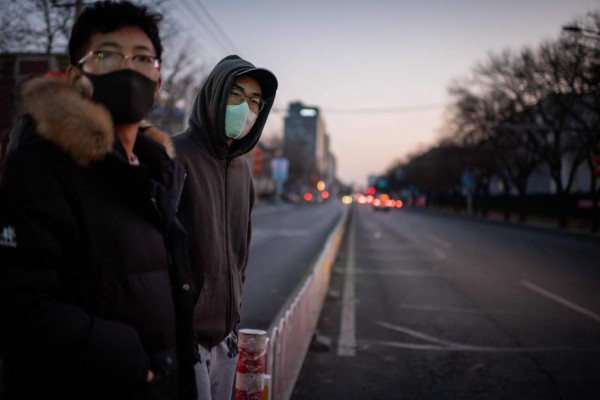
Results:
<point x="291" y="333"/>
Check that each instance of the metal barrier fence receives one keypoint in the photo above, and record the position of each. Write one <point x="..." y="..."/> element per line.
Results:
<point x="291" y="333"/>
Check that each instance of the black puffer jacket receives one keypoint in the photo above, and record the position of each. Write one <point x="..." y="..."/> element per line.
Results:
<point x="94" y="287"/>
<point x="217" y="201"/>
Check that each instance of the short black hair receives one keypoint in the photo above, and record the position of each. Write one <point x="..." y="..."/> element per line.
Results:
<point x="108" y="16"/>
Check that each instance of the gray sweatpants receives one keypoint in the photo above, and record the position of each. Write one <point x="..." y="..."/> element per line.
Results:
<point x="215" y="372"/>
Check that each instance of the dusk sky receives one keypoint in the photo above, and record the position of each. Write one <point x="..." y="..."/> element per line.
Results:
<point x="378" y="70"/>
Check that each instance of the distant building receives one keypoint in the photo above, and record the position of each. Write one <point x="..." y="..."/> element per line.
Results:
<point x="306" y="145"/>
<point x="16" y="68"/>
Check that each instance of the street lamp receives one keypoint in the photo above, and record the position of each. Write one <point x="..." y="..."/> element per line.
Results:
<point x="582" y="31"/>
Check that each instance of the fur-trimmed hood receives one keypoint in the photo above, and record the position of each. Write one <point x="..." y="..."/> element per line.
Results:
<point x="64" y="114"/>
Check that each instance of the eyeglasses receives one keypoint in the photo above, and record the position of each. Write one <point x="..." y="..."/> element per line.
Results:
<point x="107" y="61"/>
<point x="237" y="96"/>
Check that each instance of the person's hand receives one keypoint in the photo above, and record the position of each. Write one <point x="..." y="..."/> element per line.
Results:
<point x="150" y="376"/>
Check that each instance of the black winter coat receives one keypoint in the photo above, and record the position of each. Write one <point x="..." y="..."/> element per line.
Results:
<point x="94" y="287"/>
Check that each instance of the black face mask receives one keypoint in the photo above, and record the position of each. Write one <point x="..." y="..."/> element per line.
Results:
<point x="127" y="94"/>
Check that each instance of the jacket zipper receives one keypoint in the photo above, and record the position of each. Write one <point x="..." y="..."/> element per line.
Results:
<point x="229" y="278"/>
<point x="180" y="192"/>
<point x="165" y="233"/>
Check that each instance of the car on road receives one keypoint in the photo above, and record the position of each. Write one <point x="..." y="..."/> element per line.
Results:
<point x="383" y="202"/>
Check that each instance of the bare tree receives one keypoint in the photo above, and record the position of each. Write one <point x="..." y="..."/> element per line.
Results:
<point x="43" y="26"/>
<point x="478" y="116"/>
<point x="567" y="116"/>
<point x="585" y="52"/>
<point x="519" y="111"/>
<point x="544" y="88"/>
<point x="10" y="38"/>
<point x="36" y="25"/>
<point x="436" y="172"/>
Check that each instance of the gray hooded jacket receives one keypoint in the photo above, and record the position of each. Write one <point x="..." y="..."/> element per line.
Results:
<point x="216" y="202"/>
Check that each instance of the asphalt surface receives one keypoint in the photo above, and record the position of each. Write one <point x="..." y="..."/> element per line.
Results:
<point x="427" y="306"/>
<point x="286" y="239"/>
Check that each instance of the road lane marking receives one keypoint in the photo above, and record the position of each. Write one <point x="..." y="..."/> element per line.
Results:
<point x="481" y="349"/>
<point x="417" y="334"/>
<point x="347" y="338"/>
<point x="560" y="300"/>
<point x="438" y="344"/>
<point x="438" y="241"/>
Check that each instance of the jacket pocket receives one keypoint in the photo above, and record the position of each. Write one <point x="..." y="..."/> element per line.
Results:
<point x="151" y="310"/>
<point x="211" y="309"/>
<point x="237" y="286"/>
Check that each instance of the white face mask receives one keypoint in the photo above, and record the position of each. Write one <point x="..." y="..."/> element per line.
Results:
<point x="238" y="120"/>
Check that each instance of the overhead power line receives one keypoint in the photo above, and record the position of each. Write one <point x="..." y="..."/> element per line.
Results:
<point x="379" y="110"/>
<point x="216" y="25"/>
<point x="373" y="110"/>
<point x="202" y="18"/>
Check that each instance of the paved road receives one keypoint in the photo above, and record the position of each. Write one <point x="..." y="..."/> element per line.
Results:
<point x="286" y="239"/>
<point x="435" y="307"/>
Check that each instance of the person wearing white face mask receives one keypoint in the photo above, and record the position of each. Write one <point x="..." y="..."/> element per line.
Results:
<point x="227" y="119"/>
<point x="242" y="108"/>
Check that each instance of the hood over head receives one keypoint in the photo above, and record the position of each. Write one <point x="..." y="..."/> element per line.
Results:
<point x="265" y="78"/>
<point x="207" y="121"/>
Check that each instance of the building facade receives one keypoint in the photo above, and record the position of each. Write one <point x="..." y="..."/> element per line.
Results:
<point x="307" y="147"/>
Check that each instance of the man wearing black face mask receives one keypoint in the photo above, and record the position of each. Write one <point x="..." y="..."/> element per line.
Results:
<point x="95" y="293"/>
